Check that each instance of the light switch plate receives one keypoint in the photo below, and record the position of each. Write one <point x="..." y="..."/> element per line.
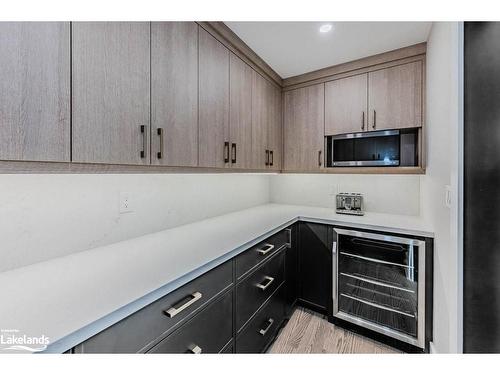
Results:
<point x="125" y="202"/>
<point x="447" y="197"/>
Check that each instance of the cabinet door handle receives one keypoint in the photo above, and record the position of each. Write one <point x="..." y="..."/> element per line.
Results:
<point x="272" y="158"/>
<point x="143" y="132"/>
<point x="159" y="154"/>
<point x="195" y="349"/>
<point x="374" y="119"/>
<point x="268" y="280"/>
<point x="289" y="235"/>
<point x="269" y="324"/>
<point x="363" y="121"/>
<point x="184" y="304"/>
<point x="267" y="157"/>
<point x="265" y="249"/>
<point x="226" y="152"/>
<point x="233" y="153"/>
<point x="319" y="158"/>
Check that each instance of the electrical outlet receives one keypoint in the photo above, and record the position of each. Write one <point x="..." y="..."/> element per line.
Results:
<point x="447" y="197"/>
<point x="125" y="203"/>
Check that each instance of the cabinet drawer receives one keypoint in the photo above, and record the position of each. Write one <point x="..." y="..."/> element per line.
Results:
<point x="207" y="332"/>
<point x="263" y="327"/>
<point x="257" y="254"/>
<point x="141" y="330"/>
<point x="253" y="291"/>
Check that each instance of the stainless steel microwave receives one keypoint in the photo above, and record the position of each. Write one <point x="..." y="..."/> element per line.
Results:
<point x="378" y="148"/>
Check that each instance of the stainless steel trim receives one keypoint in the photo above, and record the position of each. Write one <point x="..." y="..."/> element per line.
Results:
<point x="376" y="282"/>
<point x="368" y="163"/>
<point x="420" y="340"/>
<point x="375" y="260"/>
<point x="335" y="274"/>
<point x="265" y="330"/>
<point x="379" y="133"/>
<point x="377" y="305"/>
<point x="195" y="349"/>
<point x="171" y="312"/>
<point x="265" y="249"/>
<point x="381" y="237"/>
<point x="266" y="278"/>
<point x="378" y="328"/>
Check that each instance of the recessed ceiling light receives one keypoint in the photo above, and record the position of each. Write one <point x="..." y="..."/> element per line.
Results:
<point x="325" y="28"/>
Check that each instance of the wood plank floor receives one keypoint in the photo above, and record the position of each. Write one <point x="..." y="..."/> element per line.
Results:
<point x="309" y="332"/>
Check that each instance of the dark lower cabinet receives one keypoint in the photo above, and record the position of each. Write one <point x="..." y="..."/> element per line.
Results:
<point x="260" y="331"/>
<point x="207" y="332"/>
<point x="292" y="270"/>
<point x="315" y="266"/>
<point x="253" y="291"/>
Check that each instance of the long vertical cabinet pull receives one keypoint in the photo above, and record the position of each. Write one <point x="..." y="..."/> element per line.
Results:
<point x="374" y="119"/>
<point x="319" y="158"/>
<point x="271" y="162"/>
<point x="233" y="153"/>
<point x="267" y="157"/>
<point x="143" y="132"/>
<point x="226" y="152"/>
<point x="160" y="134"/>
<point x="363" y="121"/>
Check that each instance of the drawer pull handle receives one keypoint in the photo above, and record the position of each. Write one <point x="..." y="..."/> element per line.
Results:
<point x="174" y="310"/>
<point x="268" y="280"/>
<point x="265" y="249"/>
<point x="195" y="349"/>
<point x="270" y="322"/>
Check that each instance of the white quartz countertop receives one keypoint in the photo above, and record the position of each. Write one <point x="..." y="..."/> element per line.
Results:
<point x="71" y="298"/>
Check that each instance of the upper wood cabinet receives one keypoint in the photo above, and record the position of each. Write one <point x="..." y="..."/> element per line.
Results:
<point x="174" y="93"/>
<point x="35" y="91"/>
<point x="395" y="97"/>
<point x="303" y="128"/>
<point x="110" y="95"/>
<point x="240" y="113"/>
<point x="260" y="106"/>
<point x="346" y="105"/>
<point x="266" y="124"/>
<point x="213" y="102"/>
<point x="274" y="128"/>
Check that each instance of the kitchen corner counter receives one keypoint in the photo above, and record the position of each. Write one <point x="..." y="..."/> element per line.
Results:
<point x="71" y="298"/>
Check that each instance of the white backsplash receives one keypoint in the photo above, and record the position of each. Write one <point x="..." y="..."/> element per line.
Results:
<point x="392" y="194"/>
<point x="47" y="216"/>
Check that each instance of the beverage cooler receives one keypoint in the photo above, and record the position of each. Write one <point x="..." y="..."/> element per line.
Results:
<point x="380" y="284"/>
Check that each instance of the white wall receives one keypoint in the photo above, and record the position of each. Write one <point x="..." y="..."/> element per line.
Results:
<point x="442" y="122"/>
<point x="391" y="194"/>
<point x="45" y="216"/>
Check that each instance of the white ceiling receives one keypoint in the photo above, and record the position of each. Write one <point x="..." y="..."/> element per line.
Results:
<point x="293" y="48"/>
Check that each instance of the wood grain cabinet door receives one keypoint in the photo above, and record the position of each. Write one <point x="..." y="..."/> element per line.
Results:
<point x="260" y="118"/>
<point x="395" y="97"/>
<point x="35" y="91"/>
<point x="240" y="113"/>
<point x="213" y="102"/>
<point x="174" y="93"/>
<point x="274" y="129"/>
<point x="110" y="97"/>
<point x="303" y="128"/>
<point x="346" y="105"/>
